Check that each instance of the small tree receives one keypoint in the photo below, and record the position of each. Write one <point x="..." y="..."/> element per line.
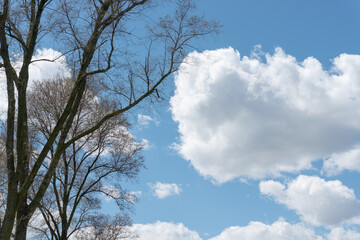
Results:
<point x="93" y="34"/>
<point x="105" y="228"/>
<point x="89" y="168"/>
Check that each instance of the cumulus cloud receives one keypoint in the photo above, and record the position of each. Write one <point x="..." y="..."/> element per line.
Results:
<point x="279" y="230"/>
<point x="342" y="234"/>
<point x="163" y="190"/>
<point x="318" y="202"/>
<point x="38" y="71"/>
<point x="338" y="162"/>
<point x="42" y="70"/>
<point x="244" y="117"/>
<point x="164" y="231"/>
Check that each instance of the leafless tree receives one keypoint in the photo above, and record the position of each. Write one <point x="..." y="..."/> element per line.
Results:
<point x="89" y="168"/>
<point x="99" y="227"/>
<point x="97" y="36"/>
<point x="105" y="228"/>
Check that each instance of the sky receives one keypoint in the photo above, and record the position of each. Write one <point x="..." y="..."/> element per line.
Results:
<point x="260" y="138"/>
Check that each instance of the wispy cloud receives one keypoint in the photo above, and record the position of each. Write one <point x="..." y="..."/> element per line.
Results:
<point x="145" y="120"/>
<point x="163" y="190"/>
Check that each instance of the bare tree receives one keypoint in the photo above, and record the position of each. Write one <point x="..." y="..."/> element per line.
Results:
<point x="89" y="168"/>
<point x="92" y="35"/>
<point x="105" y="228"/>
<point x="99" y="227"/>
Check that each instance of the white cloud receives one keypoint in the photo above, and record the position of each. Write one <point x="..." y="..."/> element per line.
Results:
<point x="342" y="234"/>
<point x="103" y="232"/>
<point x="279" y="230"/>
<point x="318" y="202"/>
<point x="164" y="231"/>
<point x="122" y="139"/>
<point x="337" y="162"/>
<point x="38" y="71"/>
<point x="163" y="190"/>
<point x="110" y="191"/>
<point x="38" y="227"/>
<point x="43" y="70"/>
<point x="146" y="144"/>
<point x="240" y="117"/>
<point x="3" y="97"/>
<point x="144" y="120"/>
<point x="132" y="197"/>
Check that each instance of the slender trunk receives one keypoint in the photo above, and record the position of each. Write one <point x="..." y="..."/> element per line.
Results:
<point x="11" y="77"/>
<point x="10" y="212"/>
<point x="64" y="218"/>
<point x="22" y="222"/>
<point x="23" y="154"/>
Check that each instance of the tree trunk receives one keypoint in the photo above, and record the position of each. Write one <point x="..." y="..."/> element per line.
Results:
<point x="64" y="223"/>
<point x="22" y="222"/>
<point x="8" y="223"/>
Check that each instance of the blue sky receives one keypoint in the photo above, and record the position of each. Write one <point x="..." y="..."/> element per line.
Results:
<point x="196" y="201"/>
